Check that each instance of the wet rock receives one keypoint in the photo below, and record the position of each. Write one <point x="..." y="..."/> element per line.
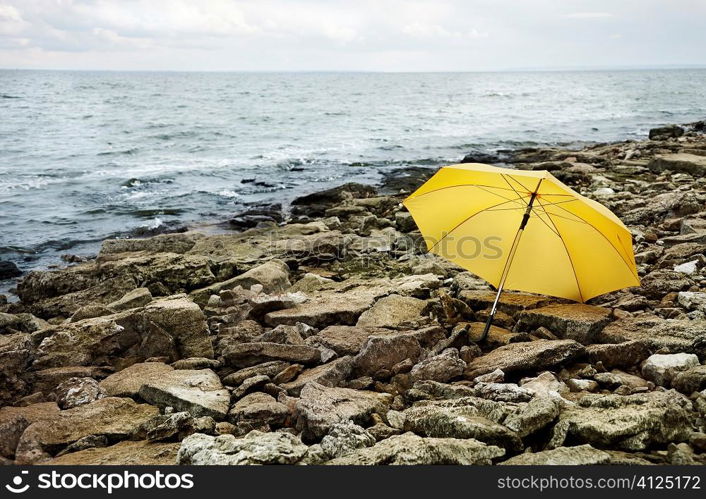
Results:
<point x="257" y="409"/>
<point x="632" y="422"/>
<point x="78" y="391"/>
<point x="581" y="455"/>
<point x="110" y="416"/>
<point x="254" y="448"/>
<point x="410" y="449"/>
<point x="199" y="393"/>
<point x="690" y="380"/>
<point x="661" y="368"/>
<point x="666" y="132"/>
<point x="315" y="204"/>
<point x="257" y="217"/>
<point x="385" y="351"/>
<point x="530" y="356"/>
<point x="332" y="374"/>
<point x="442" y="367"/>
<point x="127" y="383"/>
<point x="392" y="311"/>
<point x="249" y="354"/>
<point x="320" y="407"/>
<point x="626" y="354"/>
<point x="138" y="297"/>
<point x="122" y="454"/>
<point x="8" y="270"/>
<point x="574" y="321"/>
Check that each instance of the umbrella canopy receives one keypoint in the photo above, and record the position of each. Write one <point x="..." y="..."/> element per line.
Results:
<point x="524" y="230"/>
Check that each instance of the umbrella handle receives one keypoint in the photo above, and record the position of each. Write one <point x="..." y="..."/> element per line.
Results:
<point x="506" y="269"/>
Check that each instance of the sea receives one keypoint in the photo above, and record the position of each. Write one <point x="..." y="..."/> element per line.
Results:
<point x="86" y="156"/>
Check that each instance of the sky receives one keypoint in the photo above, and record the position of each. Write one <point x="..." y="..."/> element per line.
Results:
<point x="351" y="35"/>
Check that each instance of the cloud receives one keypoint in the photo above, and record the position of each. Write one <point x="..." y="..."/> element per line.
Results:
<point x="389" y="35"/>
<point x="588" y="15"/>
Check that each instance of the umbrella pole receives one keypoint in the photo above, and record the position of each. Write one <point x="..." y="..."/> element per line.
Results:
<point x="508" y="263"/>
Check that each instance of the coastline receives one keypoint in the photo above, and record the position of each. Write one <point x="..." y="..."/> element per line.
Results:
<point x="335" y="304"/>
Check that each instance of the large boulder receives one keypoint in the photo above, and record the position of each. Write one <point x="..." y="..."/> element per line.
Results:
<point x="625" y="354"/>
<point x="345" y="340"/>
<point x="575" y="321"/>
<point x="127" y="383"/>
<point x="382" y="352"/>
<point x="529" y="356"/>
<point x="258" y="409"/>
<point x="632" y="422"/>
<point x="198" y="392"/>
<point x="333" y="373"/>
<point x="410" y="449"/>
<point x="14" y="421"/>
<point x="273" y="276"/>
<point x="324" y="310"/>
<point x="672" y="334"/>
<point x="391" y="311"/>
<point x="16" y="354"/>
<point x="320" y="407"/>
<point x="115" y="418"/>
<point x="441" y="368"/>
<point x="457" y="420"/>
<point x="254" y="448"/>
<point x="679" y="163"/>
<point x="174" y="327"/>
<point x="690" y="381"/>
<point x="661" y="368"/>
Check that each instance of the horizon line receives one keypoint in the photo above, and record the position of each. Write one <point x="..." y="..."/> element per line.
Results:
<point x="539" y="69"/>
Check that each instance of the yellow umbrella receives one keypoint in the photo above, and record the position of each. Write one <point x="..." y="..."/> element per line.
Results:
<point x="523" y="230"/>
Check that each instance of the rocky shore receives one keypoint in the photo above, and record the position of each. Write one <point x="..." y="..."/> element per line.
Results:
<point x="328" y="336"/>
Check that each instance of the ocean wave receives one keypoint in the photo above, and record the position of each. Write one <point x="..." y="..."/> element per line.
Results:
<point x="130" y="151"/>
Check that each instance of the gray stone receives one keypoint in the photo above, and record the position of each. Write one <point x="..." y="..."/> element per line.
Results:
<point x="391" y="311"/>
<point x="441" y="368"/>
<point x="254" y="448"/>
<point x="581" y="455"/>
<point x="198" y="392"/>
<point x="78" y="391"/>
<point x="574" y="321"/>
<point x="249" y="354"/>
<point x="529" y="356"/>
<point x="661" y="368"/>
<point x="410" y="449"/>
<point x="320" y="407"/>
<point x="384" y="352"/>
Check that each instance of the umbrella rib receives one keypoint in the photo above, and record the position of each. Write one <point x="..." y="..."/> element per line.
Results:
<point x="466" y="220"/>
<point x="520" y="183"/>
<point x="511" y="187"/>
<point x="566" y="249"/>
<point x="466" y="185"/>
<point x="545" y="223"/>
<point x="604" y="237"/>
<point x="581" y="221"/>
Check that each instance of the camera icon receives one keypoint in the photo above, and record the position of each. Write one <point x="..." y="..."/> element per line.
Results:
<point x="16" y="486"/>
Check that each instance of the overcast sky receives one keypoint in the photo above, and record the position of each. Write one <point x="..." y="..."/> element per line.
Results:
<point x="377" y="35"/>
